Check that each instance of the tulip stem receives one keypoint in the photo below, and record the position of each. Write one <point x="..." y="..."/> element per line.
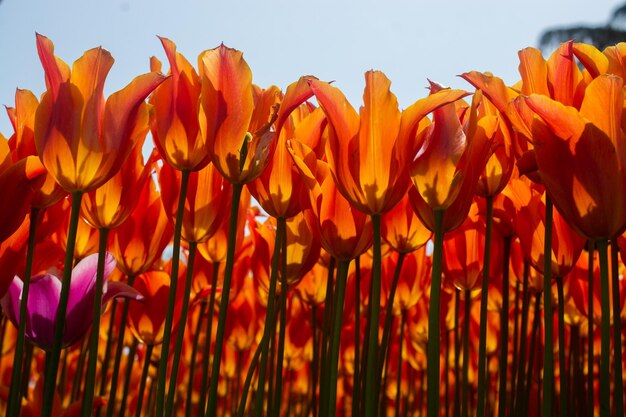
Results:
<point x="14" y="406"/>
<point x="372" y="376"/>
<point x="504" y="329"/>
<point x="466" y="326"/>
<point x="144" y="378"/>
<point x="169" y="317"/>
<point x="484" y="294"/>
<point x="107" y="352"/>
<point x="618" y="387"/>
<point x="521" y="360"/>
<point x="130" y="361"/>
<point x="182" y="324"/>
<point x="389" y="311"/>
<point x="59" y="328"/>
<point x="590" y="338"/>
<point x="92" y="362"/>
<point x="562" y="368"/>
<point x="221" y="322"/>
<point x="399" y="371"/>
<point x="328" y="303"/>
<point x="315" y="360"/>
<point x="433" y="350"/>
<point x="531" y="357"/>
<point x="118" y="353"/>
<point x="335" y="337"/>
<point x="356" y="400"/>
<point x="284" y="288"/>
<point x="268" y="328"/>
<point x="548" y="351"/>
<point x="457" y="355"/>
<point x="253" y="364"/>
<point x="605" y="351"/>
<point x="194" y="354"/>
<point x="207" y="341"/>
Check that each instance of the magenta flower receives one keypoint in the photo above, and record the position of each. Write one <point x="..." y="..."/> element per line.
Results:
<point x="43" y="301"/>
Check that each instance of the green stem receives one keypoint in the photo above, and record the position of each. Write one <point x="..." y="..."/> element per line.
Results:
<point x="531" y="358"/>
<point x="372" y="376"/>
<point x="562" y="368"/>
<point x="457" y="355"/>
<point x="221" y="322"/>
<point x="618" y="388"/>
<point x="548" y="351"/>
<point x="389" y="312"/>
<point x="130" y="361"/>
<point x="253" y="364"/>
<point x="340" y="291"/>
<point x="171" y="302"/>
<point x="328" y="307"/>
<point x="399" y="372"/>
<point x="144" y="378"/>
<point x="590" y="338"/>
<point x="118" y="354"/>
<point x="80" y="367"/>
<point x="90" y="380"/>
<point x="433" y="350"/>
<point x="516" y="344"/>
<point x="605" y="352"/>
<point x="482" y="342"/>
<point x="207" y="342"/>
<point x="356" y="377"/>
<point x="466" y="326"/>
<point x="54" y="354"/>
<point x="284" y="288"/>
<point x="269" y="329"/>
<point x="180" y="335"/>
<point x="107" y="353"/>
<point x="14" y="406"/>
<point x="194" y="354"/>
<point x="315" y="362"/>
<point x="504" y="329"/>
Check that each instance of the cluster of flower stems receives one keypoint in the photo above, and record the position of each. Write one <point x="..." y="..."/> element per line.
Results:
<point x="283" y="254"/>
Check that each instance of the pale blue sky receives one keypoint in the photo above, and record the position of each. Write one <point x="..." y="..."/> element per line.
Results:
<point x="334" y="40"/>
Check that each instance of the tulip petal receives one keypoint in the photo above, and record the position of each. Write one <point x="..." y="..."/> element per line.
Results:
<point x="592" y="59"/>
<point x="563" y="120"/>
<point x="57" y="71"/>
<point x="88" y="74"/>
<point x="534" y="72"/>
<point x="603" y="103"/>
<point x="564" y="76"/>
<point x="43" y="302"/>
<point x="10" y="302"/>
<point x="228" y="105"/>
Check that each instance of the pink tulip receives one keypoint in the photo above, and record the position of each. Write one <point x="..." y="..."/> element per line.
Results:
<point x="43" y="301"/>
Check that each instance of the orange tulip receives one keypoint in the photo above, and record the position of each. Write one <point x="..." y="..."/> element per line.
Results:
<point x="303" y="249"/>
<point x="447" y="168"/>
<point x="138" y="243"/>
<point x="175" y="118"/>
<point x="566" y="244"/>
<point x="580" y="159"/>
<point x="12" y="252"/>
<point x="414" y="277"/>
<point x="19" y="182"/>
<point x="22" y="144"/>
<point x="81" y="139"/>
<point x="279" y="189"/>
<point x="206" y="201"/>
<point x="110" y="205"/>
<point x="238" y="114"/>
<point x="369" y="152"/>
<point x="343" y="231"/>
<point x="146" y="319"/>
<point x="402" y="229"/>
<point x="464" y="254"/>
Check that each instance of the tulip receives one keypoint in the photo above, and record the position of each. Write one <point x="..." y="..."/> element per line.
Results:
<point x="44" y="297"/>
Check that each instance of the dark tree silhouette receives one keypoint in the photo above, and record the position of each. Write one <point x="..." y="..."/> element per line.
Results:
<point x="612" y="32"/>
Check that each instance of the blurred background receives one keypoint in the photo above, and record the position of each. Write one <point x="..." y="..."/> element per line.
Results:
<point x="284" y="39"/>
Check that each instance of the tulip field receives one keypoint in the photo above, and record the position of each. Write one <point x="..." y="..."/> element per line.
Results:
<point x="196" y="245"/>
